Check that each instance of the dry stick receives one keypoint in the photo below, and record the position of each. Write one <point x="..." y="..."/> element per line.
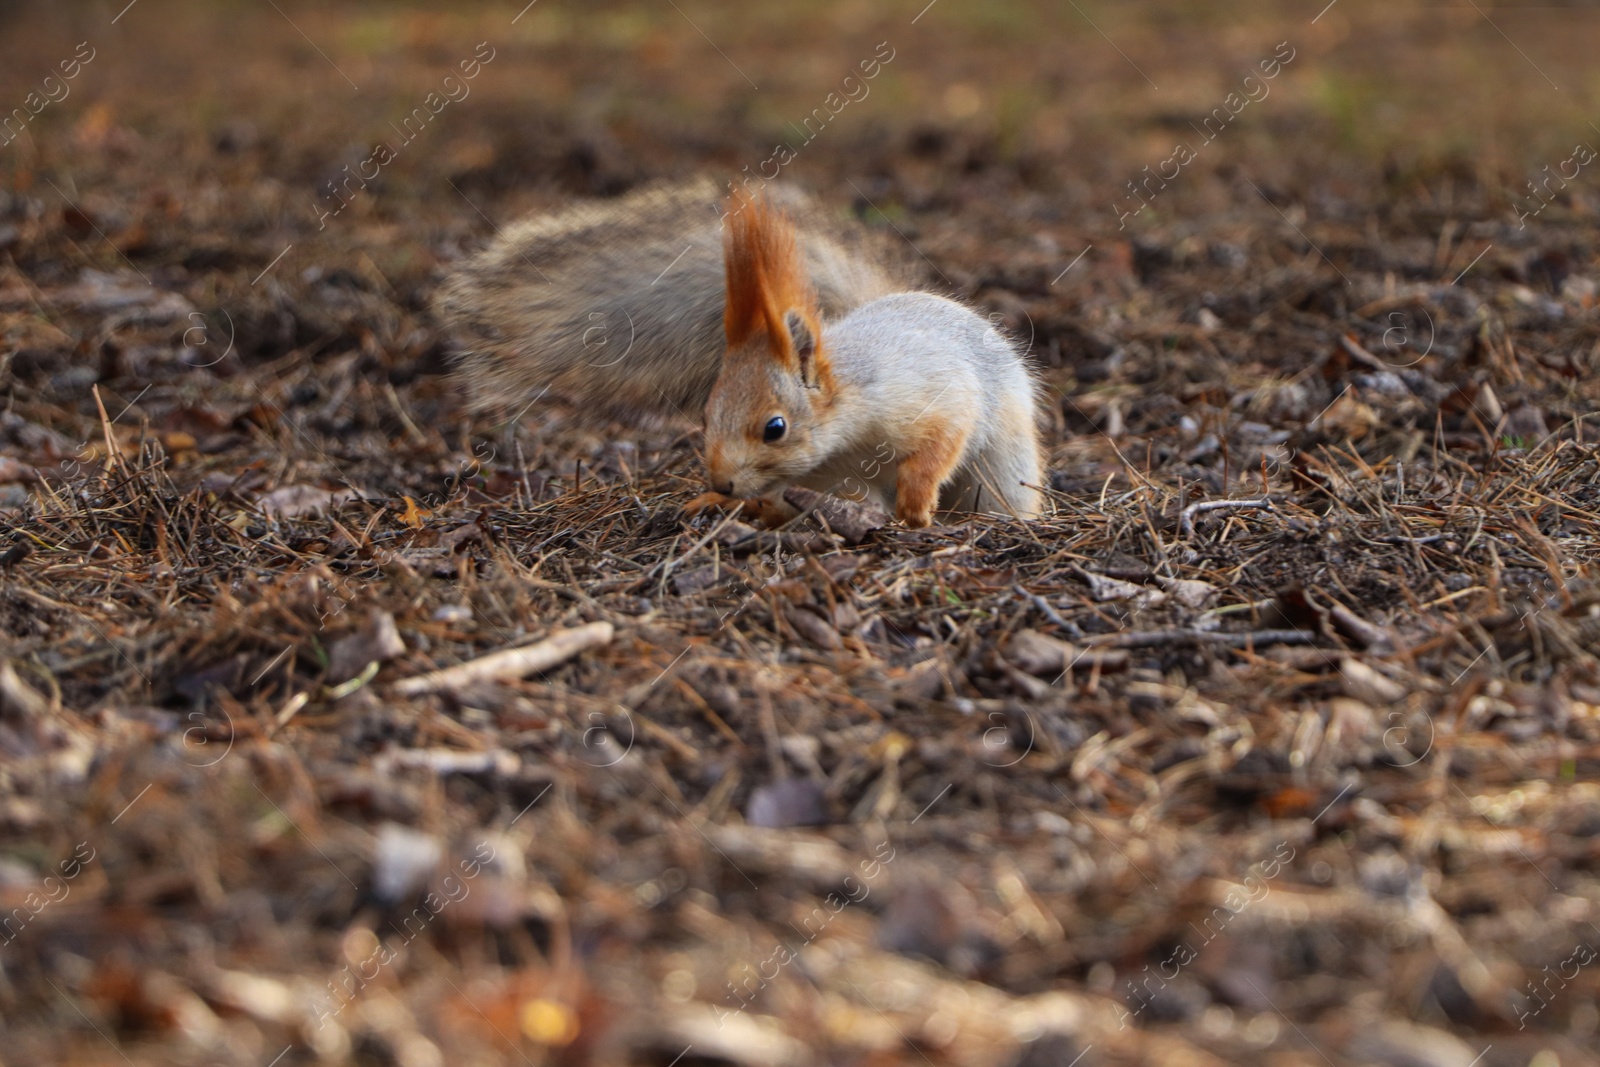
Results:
<point x="113" y="456"/>
<point x="1180" y="638"/>
<point x="1049" y="612"/>
<point x="512" y="662"/>
<point x="20" y="696"/>
<point x="1368" y="634"/>
<point x="1186" y="520"/>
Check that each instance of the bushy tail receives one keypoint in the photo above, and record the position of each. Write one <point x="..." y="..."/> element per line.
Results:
<point x="617" y="307"/>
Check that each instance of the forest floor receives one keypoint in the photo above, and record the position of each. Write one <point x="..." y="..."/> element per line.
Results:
<point x="1277" y="743"/>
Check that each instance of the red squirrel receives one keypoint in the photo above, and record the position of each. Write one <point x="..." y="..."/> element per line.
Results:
<point x="811" y="366"/>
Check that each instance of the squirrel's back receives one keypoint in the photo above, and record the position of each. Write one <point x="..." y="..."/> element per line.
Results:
<point x="921" y="358"/>
<point x="617" y="306"/>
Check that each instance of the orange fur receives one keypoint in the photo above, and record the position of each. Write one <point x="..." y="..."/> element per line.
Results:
<point x="766" y="277"/>
<point x="919" y="475"/>
<point x="766" y="512"/>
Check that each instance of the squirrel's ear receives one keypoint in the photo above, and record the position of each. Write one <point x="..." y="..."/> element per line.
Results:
<point x="803" y="341"/>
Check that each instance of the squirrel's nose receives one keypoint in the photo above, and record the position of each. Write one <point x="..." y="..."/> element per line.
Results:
<point x="724" y="486"/>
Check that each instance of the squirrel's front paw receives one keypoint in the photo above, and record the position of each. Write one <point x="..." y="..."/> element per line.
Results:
<point x="915" y="518"/>
<point x="707" y="501"/>
<point x="756" y="509"/>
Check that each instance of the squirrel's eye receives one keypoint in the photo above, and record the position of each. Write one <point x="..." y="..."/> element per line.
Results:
<point x="776" y="428"/>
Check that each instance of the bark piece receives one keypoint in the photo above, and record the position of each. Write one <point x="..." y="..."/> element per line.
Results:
<point x="847" y="518"/>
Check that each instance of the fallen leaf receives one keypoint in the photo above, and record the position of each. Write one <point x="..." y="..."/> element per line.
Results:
<point x="1188" y="592"/>
<point x="1347" y="416"/>
<point x="847" y="518"/>
<point x="791" y="802"/>
<point x="378" y="641"/>
<point x="1040" y="654"/>
<point x="1103" y="588"/>
<point x="699" y="580"/>
<point x="413" y="515"/>
<point x="1047" y="657"/>
<point x="548" y="1022"/>
<point x="813" y="628"/>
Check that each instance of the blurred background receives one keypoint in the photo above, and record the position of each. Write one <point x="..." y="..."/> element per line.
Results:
<point x="231" y="118"/>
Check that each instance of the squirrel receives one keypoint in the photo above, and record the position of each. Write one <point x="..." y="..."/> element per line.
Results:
<point x="811" y="364"/>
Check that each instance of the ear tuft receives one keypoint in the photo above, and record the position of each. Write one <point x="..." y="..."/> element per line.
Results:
<point x="765" y="270"/>
<point x="770" y="298"/>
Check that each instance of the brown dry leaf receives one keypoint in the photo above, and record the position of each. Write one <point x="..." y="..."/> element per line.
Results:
<point x="414" y="516"/>
<point x="922" y="682"/>
<point x="18" y="697"/>
<point x="1103" y="588"/>
<point x="1190" y="593"/>
<point x="462" y="535"/>
<point x="1047" y="657"/>
<point x="813" y="628"/>
<point x="1040" y="654"/>
<point x="849" y="519"/>
<point x="701" y="579"/>
<point x="378" y="641"/>
<point x="1489" y="404"/>
<point x="1348" y="416"/>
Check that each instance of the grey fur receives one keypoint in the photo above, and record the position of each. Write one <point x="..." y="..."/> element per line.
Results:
<point x="911" y="355"/>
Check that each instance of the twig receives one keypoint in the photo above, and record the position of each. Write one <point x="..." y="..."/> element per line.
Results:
<point x="1186" y="519"/>
<point x="1400" y="539"/>
<point x="17" y="695"/>
<point x="1049" y="612"/>
<point x="113" y="455"/>
<point x="291" y="708"/>
<point x="1368" y="634"/>
<point x="512" y="662"/>
<point x="1361" y="355"/>
<point x="1181" y="638"/>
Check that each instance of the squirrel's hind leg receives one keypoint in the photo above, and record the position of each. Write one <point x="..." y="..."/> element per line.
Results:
<point x="995" y="484"/>
<point x="1015" y="479"/>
